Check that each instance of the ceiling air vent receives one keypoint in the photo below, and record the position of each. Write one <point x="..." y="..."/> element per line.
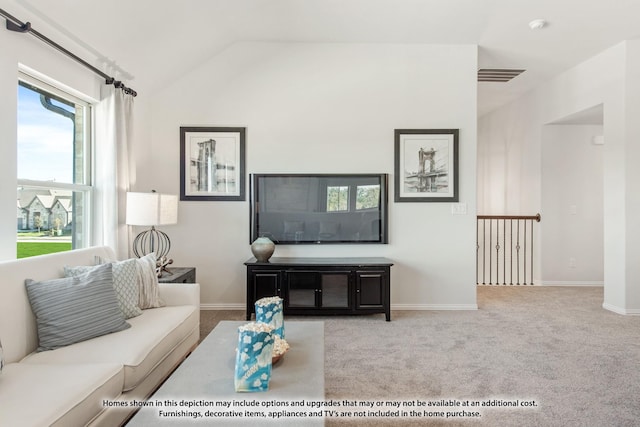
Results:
<point x="500" y="75"/>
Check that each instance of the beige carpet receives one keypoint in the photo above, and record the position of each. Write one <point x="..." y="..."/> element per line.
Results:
<point x="552" y="345"/>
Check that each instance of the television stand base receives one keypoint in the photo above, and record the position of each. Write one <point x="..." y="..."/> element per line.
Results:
<point x="317" y="286"/>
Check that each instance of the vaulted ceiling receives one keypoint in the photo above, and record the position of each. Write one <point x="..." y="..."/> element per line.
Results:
<point x="152" y="42"/>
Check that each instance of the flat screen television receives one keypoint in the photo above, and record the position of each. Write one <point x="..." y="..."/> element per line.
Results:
<point x="319" y="208"/>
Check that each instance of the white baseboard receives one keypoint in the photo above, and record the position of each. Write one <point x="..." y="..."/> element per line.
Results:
<point x="434" y="307"/>
<point x="570" y="283"/>
<point x="234" y="306"/>
<point x="620" y="310"/>
<point x="393" y="306"/>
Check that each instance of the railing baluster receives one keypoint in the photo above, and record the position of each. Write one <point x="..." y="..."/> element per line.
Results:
<point x="524" y="257"/>
<point x="504" y="252"/>
<point x="511" y="253"/>
<point x="531" y="280"/>
<point x="519" y="243"/>
<point x="477" y="251"/>
<point x="490" y="251"/>
<point x="484" y="261"/>
<point x="497" y="252"/>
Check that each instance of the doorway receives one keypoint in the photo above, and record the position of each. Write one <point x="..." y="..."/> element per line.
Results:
<point x="572" y="199"/>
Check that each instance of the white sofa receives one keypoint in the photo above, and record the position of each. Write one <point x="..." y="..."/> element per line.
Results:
<point x="87" y="383"/>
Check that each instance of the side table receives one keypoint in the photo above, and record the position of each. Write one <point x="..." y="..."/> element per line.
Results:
<point x="179" y="275"/>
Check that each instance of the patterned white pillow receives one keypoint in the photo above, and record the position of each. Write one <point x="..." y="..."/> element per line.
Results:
<point x="148" y="282"/>
<point x="125" y="283"/>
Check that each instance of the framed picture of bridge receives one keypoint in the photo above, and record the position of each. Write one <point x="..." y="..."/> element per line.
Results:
<point x="426" y="165"/>
<point x="212" y="163"/>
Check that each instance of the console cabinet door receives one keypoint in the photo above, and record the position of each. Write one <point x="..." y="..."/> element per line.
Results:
<point x="371" y="289"/>
<point x="266" y="284"/>
<point x="262" y="283"/>
<point x="335" y="290"/>
<point x="302" y="289"/>
<point x="318" y="289"/>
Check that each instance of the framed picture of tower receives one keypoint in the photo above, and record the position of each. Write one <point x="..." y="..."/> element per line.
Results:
<point x="426" y="165"/>
<point x="212" y="163"/>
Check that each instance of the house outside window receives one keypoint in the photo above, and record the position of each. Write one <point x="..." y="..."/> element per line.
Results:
<point x="54" y="169"/>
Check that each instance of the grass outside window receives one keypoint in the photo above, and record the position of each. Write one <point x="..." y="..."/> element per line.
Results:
<point x="29" y="249"/>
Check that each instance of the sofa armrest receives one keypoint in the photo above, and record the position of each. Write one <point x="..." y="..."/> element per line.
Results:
<point x="180" y="294"/>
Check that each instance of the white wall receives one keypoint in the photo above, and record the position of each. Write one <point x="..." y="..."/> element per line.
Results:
<point x="324" y="108"/>
<point x="572" y="236"/>
<point x="515" y="132"/>
<point x="509" y="160"/>
<point x="632" y="178"/>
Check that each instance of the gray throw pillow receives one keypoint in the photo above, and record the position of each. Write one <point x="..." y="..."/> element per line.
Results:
<point x="74" y="309"/>
<point x="125" y="283"/>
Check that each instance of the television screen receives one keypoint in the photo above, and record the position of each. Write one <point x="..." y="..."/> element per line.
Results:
<point x="315" y="209"/>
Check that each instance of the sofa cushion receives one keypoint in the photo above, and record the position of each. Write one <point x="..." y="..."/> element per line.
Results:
<point x="125" y="284"/>
<point x="61" y="395"/>
<point x="18" y="327"/>
<point x="139" y="349"/>
<point x="74" y="309"/>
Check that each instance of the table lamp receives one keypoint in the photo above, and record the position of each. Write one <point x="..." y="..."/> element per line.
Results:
<point x="151" y="209"/>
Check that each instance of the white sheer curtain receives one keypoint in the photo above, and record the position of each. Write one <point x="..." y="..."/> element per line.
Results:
<point x="113" y="169"/>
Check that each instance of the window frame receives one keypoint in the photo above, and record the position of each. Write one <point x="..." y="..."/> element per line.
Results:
<point x="87" y="187"/>
<point x="341" y="189"/>
<point x="351" y="199"/>
<point x="357" y="187"/>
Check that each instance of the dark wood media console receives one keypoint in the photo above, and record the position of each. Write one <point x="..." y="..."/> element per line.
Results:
<point x="319" y="286"/>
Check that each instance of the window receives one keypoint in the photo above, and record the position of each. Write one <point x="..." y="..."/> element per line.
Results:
<point x="54" y="169"/>
<point x="343" y="198"/>
<point x="337" y="198"/>
<point x="367" y="197"/>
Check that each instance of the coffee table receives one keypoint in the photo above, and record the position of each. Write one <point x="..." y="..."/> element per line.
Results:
<point x="206" y="381"/>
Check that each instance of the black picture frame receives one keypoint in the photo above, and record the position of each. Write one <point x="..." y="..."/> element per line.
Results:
<point x="426" y="165"/>
<point x="212" y="163"/>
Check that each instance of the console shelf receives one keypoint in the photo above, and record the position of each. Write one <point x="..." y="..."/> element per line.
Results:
<point x="319" y="286"/>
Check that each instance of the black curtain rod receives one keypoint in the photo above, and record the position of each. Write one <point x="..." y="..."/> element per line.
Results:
<point x="14" y="24"/>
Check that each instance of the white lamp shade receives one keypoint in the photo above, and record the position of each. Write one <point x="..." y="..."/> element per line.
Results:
<point x="152" y="209"/>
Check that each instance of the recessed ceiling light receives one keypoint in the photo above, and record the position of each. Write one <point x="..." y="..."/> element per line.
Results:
<point x="537" y="24"/>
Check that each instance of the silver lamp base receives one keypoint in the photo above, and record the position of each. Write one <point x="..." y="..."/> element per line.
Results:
<point x="154" y="241"/>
